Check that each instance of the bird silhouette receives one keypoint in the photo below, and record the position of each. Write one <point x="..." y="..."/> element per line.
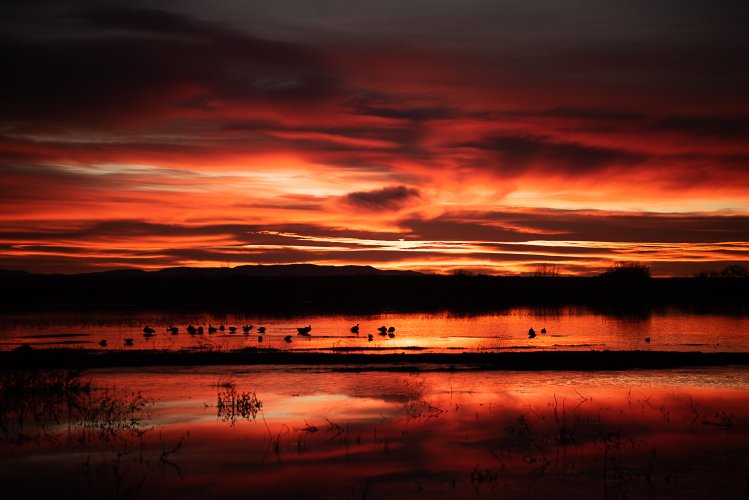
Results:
<point x="383" y="329"/>
<point x="531" y="333"/>
<point x="172" y="329"/>
<point x="221" y="327"/>
<point x="259" y="338"/>
<point x="304" y="330"/>
<point x="287" y="339"/>
<point x="212" y="329"/>
<point x="261" y="329"/>
<point x="148" y="329"/>
<point x="391" y="329"/>
<point x="200" y="330"/>
<point x="128" y="341"/>
<point x="370" y="337"/>
<point x="543" y="330"/>
<point x="191" y="329"/>
<point x="232" y="329"/>
<point x="246" y="329"/>
<point x="647" y="339"/>
<point x="391" y="335"/>
<point x="103" y="342"/>
<point x="355" y="329"/>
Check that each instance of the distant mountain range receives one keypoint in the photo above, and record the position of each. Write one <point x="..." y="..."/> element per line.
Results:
<point x="275" y="270"/>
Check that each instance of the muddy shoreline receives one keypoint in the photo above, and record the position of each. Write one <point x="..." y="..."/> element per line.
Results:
<point x="376" y="361"/>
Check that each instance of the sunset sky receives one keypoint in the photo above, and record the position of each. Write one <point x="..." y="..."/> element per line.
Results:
<point x="429" y="135"/>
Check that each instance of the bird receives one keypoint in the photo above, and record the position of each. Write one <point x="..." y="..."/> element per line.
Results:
<point x="543" y="330"/>
<point x="531" y="333"/>
<point x="103" y="342"/>
<point x="259" y="338"/>
<point x="261" y="329"/>
<point x="232" y="329"/>
<point x="221" y="327"/>
<point x="647" y="339"/>
<point x="200" y="330"/>
<point x="355" y="329"/>
<point x="128" y="341"/>
<point x="383" y="329"/>
<point x="287" y="339"/>
<point x="391" y="329"/>
<point x="246" y="329"/>
<point x="304" y="330"/>
<point x="191" y="329"/>
<point x="172" y="329"/>
<point x="212" y="329"/>
<point x="391" y="335"/>
<point x="370" y="337"/>
<point x="148" y="329"/>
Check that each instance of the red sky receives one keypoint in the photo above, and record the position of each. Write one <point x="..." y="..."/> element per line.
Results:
<point x="493" y="136"/>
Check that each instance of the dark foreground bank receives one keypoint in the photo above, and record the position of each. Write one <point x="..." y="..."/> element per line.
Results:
<point x="348" y="361"/>
<point x="367" y="291"/>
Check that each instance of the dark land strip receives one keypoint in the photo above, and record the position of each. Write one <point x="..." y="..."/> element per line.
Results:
<point x="361" y="294"/>
<point x="347" y="361"/>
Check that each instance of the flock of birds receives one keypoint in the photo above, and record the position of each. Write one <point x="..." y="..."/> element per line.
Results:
<point x="532" y="332"/>
<point x="304" y="331"/>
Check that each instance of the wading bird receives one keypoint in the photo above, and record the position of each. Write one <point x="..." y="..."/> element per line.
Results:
<point x="304" y="330"/>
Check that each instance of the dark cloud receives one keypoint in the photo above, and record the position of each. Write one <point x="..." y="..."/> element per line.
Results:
<point x="561" y="225"/>
<point x="125" y="62"/>
<point x="389" y="198"/>
<point x="402" y="107"/>
<point x="517" y="153"/>
<point x="705" y="126"/>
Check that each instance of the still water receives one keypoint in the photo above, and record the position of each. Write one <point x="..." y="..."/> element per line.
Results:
<point x="296" y="432"/>
<point x="566" y="329"/>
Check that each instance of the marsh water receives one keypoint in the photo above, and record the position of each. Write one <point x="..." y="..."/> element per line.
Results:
<point x="323" y="432"/>
<point x="566" y="328"/>
<point x="296" y="432"/>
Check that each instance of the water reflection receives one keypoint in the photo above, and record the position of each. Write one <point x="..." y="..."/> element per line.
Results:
<point x="311" y="433"/>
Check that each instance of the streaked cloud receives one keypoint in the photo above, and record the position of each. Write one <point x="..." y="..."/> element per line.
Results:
<point x="427" y="135"/>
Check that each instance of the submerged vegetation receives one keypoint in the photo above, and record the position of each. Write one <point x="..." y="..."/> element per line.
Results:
<point x="232" y="404"/>
<point x="54" y="404"/>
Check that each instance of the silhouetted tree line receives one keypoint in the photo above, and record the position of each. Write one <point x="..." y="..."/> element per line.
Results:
<point x="624" y="284"/>
<point x="734" y="271"/>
